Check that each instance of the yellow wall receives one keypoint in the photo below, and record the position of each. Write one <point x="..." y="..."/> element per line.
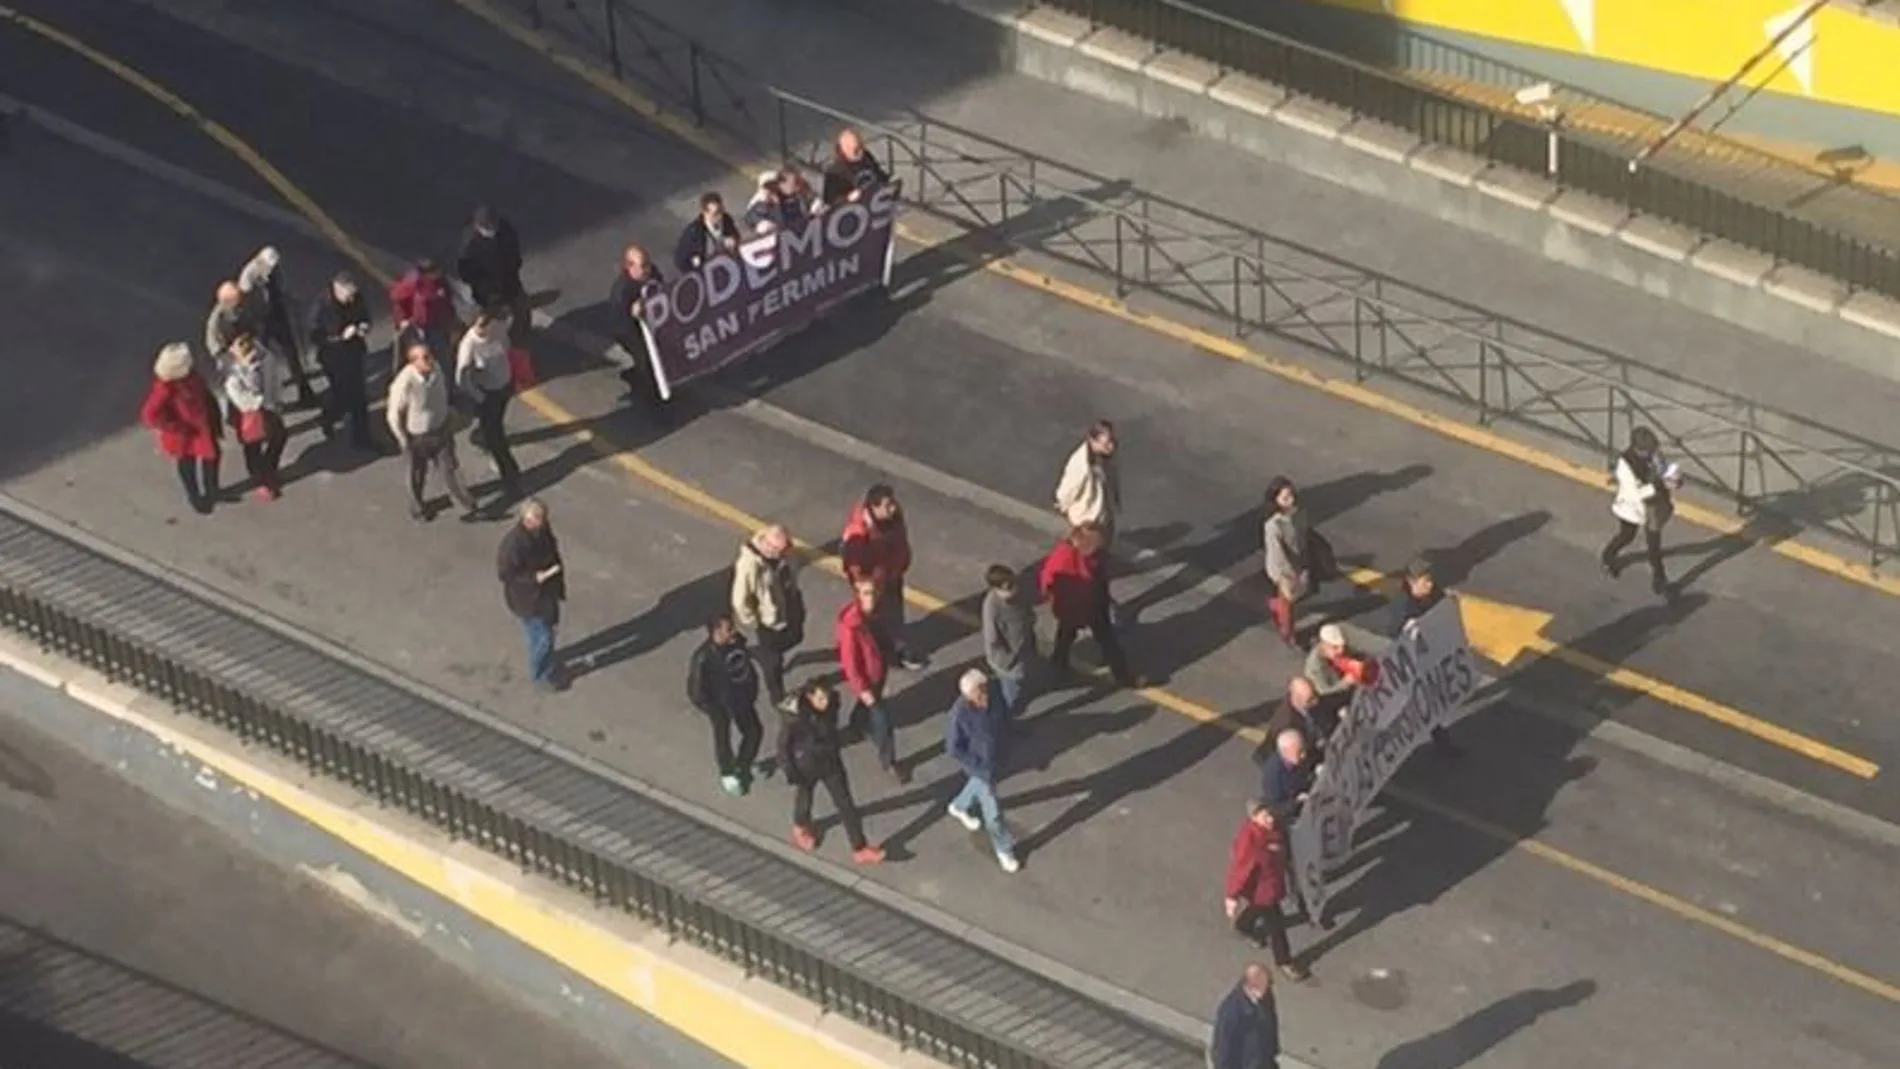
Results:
<point x="1854" y="59"/>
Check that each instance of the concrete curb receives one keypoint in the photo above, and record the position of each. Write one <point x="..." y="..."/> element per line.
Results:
<point x="1741" y="286"/>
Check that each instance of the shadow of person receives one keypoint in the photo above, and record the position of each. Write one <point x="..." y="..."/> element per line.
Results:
<point x="681" y="610"/>
<point x="1775" y="519"/>
<point x="1453" y="565"/>
<point x="1465" y="1041"/>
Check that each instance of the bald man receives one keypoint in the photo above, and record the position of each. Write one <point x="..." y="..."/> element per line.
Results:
<point x="1302" y="711"/>
<point x="1247" y="1024"/>
<point x="230" y="316"/>
<point x="766" y="600"/>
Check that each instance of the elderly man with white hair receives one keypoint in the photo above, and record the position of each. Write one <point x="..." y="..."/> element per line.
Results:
<point x="974" y="741"/>
<point x="766" y="600"/>
<point x="263" y="288"/>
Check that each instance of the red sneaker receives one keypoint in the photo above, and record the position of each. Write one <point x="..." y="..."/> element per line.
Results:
<point x="265" y="493"/>
<point x="803" y="838"/>
<point x="869" y="855"/>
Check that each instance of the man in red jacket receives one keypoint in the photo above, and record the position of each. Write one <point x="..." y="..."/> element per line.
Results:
<point x="424" y="312"/>
<point x="864" y="649"/>
<point x="1256" y="882"/>
<point x="876" y="547"/>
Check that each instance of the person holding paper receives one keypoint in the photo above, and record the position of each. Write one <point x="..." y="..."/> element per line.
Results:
<point x="1645" y="500"/>
<point x="533" y="586"/>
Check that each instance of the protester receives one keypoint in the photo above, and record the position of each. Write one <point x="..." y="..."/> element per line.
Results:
<point x="339" y="333"/>
<point x="1070" y="584"/>
<point x="637" y="278"/>
<point x="1302" y="711"/>
<point x="230" y="316"/>
<point x="808" y="752"/>
<point x="1297" y="558"/>
<point x="533" y="584"/>
<point x="1645" y="500"/>
<point x="1287" y="777"/>
<point x="767" y="601"/>
<point x="1334" y="669"/>
<point x="1009" y="641"/>
<point x="723" y="683"/>
<point x="974" y="740"/>
<point x="180" y="410"/>
<point x="263" y="287"/>
<point x="1247" y="1025"/>
<point x="483" y="374"/>
<point x="875" y="545"/>
<point x="853" y="173"/>
<point x="419" y="414"/>
<point x="1257" y="882"/>
<point x="711" y="233"/>
<point x="489" y="263"/>
<point x="1419" y="593"/>
<point x="864" y="650"/>
<point x="424" y="311"/>
<point x="1090" y="489"/>
<point x="782" y="202"/>
<point x="251" y="378"/>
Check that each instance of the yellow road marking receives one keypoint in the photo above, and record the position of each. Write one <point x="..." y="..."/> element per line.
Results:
<point x="739" y="518"/>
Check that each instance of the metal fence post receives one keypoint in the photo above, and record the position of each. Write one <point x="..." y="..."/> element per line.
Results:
<point x="692" y="73"/>
<point x="613" y="35"/>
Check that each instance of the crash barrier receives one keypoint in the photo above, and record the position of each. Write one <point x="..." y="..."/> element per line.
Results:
<point x="514" y="797"/>
<point x="1785" y="472"/>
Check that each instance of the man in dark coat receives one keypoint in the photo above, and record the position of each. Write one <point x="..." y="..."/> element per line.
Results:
<point x="489" y="263"/>
<point x="711" y="233"/>
<point x="339" y="332"/>
<point x="808" y="752"/>
<point x="533" y="585"/>
<point x="723" y="683"/>
<point x="1247" y="1024"/>
<point x="1419" y="593"/>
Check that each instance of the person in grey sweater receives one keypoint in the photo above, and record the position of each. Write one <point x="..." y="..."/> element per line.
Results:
<point x="418" y="413"/>
<point x="1009" y="640"/>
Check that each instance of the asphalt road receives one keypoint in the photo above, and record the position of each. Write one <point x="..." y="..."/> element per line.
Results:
<point x="101" y="880"/>
<point x="1453" y="941"/>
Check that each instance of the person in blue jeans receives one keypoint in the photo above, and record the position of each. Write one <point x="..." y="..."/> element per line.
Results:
<point x="973" y="742"/>
<point x="532" y="584"/>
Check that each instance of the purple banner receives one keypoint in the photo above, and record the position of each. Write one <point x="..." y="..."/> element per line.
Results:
<point x="740" y="304"/>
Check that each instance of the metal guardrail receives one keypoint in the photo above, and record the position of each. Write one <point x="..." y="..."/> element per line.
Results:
<point x="1784" y="470"/>
<point x="510" y="795"/>
<point x="1810" y="219"/>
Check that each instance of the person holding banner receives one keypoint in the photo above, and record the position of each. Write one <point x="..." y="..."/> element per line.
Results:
<point x="1334" y="669"/>
<point x="853" y="174"/>
<point x="637" y="279"/>
<point x="1419" y="593"/>
<point x="784" y="201"/>
<point x="1256" y="882"/>
<point x="711" y="233"/>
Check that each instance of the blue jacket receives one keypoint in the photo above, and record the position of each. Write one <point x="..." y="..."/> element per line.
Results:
<point x="1246" y="1033"/>
<point x="971" y="739"/>
<point x="1282" y="784"/>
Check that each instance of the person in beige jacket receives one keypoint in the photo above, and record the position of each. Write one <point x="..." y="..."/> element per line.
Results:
<point x="766" y="600"/>
<point x="419" y="417"/>
<point x="1090" y="492"/>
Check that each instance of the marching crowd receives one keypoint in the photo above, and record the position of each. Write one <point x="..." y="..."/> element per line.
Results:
<point x="448" y="368"/>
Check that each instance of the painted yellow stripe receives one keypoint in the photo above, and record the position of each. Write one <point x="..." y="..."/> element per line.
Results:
<point x="739" y="518"/>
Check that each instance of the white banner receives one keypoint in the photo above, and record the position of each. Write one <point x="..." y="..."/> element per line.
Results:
<point x="1425" y="676"/>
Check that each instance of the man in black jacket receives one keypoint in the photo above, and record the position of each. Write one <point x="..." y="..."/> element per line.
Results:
<point x="532" y="584"/>
<point x="489" y="263"/>
<point x="808" y="751"/>
<point x="339" y="332"/>
<point x="1419" y="593"/>
<point x="638" y="277"/>
<point x="711" y="233"/>
<point x="723" y="683"/>
<point x="853" y="173"/>
<point x="1247" y="1024"/>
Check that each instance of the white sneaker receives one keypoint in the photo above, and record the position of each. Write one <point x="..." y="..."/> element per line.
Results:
<point x="968" y="820"/>
<point x="1009" y="862"/>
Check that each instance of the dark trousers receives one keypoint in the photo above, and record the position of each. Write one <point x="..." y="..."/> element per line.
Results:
<point x="770" y="652"/>
<point x="491" y="436"/>
<point x="283" y="340"/>
<point x="347" y="399"/>
<point x="200" y="479"/>
<point x="1652" y="549"/>
<point x="1102" y="626"/>
<point x="839" y="788"/>
<point x="262" y="458"/>
<point x="1266" y="926"/>
<point x="751" y="732"/>
<point x="875" y="720"/>
<point x="436" y="450"/>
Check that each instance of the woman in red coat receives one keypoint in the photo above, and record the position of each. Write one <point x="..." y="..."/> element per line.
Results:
<point x="1070" y="583"/>
<point x="1256" y="882"/>
<point x="180" y="409"/>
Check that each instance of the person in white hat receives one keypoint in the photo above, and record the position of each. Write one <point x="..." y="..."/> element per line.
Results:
<point x="1334" y="669"/>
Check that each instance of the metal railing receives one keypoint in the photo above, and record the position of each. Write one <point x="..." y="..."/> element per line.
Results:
<point x="1784" y="471"/>
<point x="1810" y="218"/>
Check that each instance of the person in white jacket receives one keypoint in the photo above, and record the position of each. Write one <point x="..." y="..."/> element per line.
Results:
<point x="483" y="374"/>
<point x="251" y="379"/>
<point x="1090" y="490"/>
<point x="1645" y="488"/>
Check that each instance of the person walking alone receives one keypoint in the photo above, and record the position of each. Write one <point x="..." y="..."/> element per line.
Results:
<point x="483" y="374"/>
<point x="1645" y="500"/>
<point x="973" y="740"/>
<point x="1256" y="883"/>
<point x="864" y="651"/>
<point x="263" y="286"/>
<point x="767" y="601"/>
<point x="533" y="585"/>
<point x="1247" y="1024"/>
<point x="339" y="332"/>
<point x="723" y="683"/>
<point x="180" y="410"/>
<point x="251" y="378"/>
<point x="1068" y="583"/>
<point x="808" y="751"/>
<point x="1297" y="557"/>
<point x="418" y="413"/>
<point x="1009" y="641"/>
<point x="875" y="546"/>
